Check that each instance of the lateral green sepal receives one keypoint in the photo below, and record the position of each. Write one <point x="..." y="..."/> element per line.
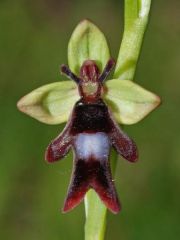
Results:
<point x="128" y="101"/>
<point x="51" y="103"/>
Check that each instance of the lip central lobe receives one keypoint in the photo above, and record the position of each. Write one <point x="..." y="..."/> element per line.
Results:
<point x="89" y="145"/>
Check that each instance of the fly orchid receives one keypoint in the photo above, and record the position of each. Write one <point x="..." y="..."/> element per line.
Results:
<point x="97" y="106"/>
<point x="91" y="131"/>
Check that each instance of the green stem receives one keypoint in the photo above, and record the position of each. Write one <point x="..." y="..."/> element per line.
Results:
<point x="136" y="18"/>
<point x="95" y="217"/>
<point x="135" y="22"/>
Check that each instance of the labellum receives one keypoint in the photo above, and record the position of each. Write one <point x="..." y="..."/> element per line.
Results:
<point x="91" y="132"/>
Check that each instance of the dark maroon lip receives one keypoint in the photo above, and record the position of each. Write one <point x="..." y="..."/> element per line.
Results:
<point x="92" y="174"/>
<point x="91" y="117"/>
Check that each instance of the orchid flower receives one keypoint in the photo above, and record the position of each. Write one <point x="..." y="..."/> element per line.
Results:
<point x="93" y="107"/>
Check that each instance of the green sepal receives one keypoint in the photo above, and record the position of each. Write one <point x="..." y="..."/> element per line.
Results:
<point x="51" y="103"/>
<point x="87" y="42"/>
<point x="128" y="101"/>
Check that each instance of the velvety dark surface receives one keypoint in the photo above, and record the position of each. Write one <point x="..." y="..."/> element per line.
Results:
<point x="92" y="173"/>
<point x="33" y="43"/>
<point x="91" y="117"/>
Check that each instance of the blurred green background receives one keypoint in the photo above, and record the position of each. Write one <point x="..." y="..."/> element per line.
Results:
<point x="33" y="43"/>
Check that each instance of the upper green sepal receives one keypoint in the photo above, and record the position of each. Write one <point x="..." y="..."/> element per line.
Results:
<point x="128" y="101"/>
<point x="87" y="42"/>
<point x="51" y="103"/>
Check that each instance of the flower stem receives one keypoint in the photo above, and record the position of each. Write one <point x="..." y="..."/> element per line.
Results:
<point x="95" y="217"/>
<point x="135" y="22"/>
<point x="136" y="18"/>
